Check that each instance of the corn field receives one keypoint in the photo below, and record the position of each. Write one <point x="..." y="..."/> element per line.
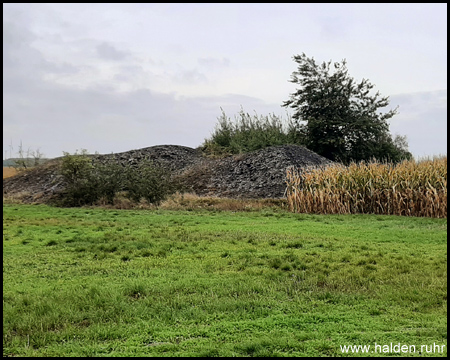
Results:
<point x="410" y="188"/>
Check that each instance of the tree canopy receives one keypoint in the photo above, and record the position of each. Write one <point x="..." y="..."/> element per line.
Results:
<point x="340" y="118"/>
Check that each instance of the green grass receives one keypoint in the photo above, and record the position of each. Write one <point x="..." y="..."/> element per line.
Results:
<point x="97" y="282"/>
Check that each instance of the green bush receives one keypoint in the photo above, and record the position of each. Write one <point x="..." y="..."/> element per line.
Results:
<point x="77" y="170"/>
<point x="148" y="181"/>
<point x="109" y="179"/>
<point x="249" y="133"/>
<point x="88" y="180"/>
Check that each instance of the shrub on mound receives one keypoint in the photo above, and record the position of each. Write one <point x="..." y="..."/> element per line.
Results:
<point x="88" y="181"/>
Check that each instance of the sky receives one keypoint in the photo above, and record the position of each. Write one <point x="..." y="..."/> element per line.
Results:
<point x="110" y="78"/>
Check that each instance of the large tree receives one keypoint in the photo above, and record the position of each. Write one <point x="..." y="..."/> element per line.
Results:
<point x="338" y="117"/>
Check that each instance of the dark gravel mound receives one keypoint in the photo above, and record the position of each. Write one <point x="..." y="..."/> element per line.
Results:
<point x="173" y="157"/>
<point x="38" y="184"/>
<point x="260" y="174"/>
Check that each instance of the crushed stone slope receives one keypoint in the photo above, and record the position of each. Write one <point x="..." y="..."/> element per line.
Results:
<point x="259" y="174"/>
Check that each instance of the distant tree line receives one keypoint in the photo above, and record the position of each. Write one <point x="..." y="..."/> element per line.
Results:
<point x="24" y="160"/>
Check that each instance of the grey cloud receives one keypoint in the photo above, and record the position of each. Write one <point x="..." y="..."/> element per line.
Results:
<point x="64" y="68"/>
<point x="109" y="52"/>
<point x="421" y="100"/>
<point x="56" y="118"/>
<point x="129" y="72"/>
<point x="333" y="28"/>
<point x="213" y="63"/>
<point x="16" y="45"/>
<point x="189" y="77"/>
<point x="23" y="64"/>
<point x="423" y="119"/>
<point x="16" y="35"/>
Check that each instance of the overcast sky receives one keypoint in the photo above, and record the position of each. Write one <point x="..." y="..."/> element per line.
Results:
<point x="116" y="77"/>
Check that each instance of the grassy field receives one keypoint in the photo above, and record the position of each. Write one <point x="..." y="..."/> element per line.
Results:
<point x="105" y="282"/>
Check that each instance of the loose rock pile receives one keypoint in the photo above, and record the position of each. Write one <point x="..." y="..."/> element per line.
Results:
<point x="260" y="174"/>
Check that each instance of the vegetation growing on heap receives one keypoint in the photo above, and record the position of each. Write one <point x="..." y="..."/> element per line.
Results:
<point x="89" y="181"/>
<point x="249" y="133"/>
<point x="334" y="116"/>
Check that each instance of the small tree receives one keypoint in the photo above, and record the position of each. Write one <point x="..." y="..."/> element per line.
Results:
<point x="22" y="162"/>
<point x="77" y="171"/>
<point x="28" y="160"/>
<point x="148" y="181"/>
<point x="338" y="117"/>
<point x="37" y="156"/>
<point x="109" y="178"/>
